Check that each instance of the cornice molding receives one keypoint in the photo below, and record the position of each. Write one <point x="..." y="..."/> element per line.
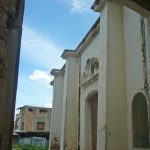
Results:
<point x="141" y="7"/>
<point x="91" y="35"/>
<point x="52" y="83"/>
<point x="56" y="72"/>
<point x="98" y="5"/>
<point x="69" y="53"/>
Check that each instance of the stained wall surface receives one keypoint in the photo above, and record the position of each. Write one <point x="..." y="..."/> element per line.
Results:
<point x="11" y="16"/>
<point x="56" y="124"/>
<point x="136" y="61"/>
<point x="115" y="64"/>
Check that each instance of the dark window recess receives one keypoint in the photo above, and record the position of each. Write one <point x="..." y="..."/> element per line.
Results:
<point x="40" y="125"/>
<point x="91" y="115"/>
<point x="140" y="127"/>
<point x="22" y="125"/>
<point x="92" y="69"/>
<point x="43" y="111"/>
<point x="30" y="109"/>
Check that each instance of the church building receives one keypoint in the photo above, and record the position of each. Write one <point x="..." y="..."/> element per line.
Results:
<point x="101" y="96"/>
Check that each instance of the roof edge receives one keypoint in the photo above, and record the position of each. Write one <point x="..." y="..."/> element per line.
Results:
<point x="69" y="53"/>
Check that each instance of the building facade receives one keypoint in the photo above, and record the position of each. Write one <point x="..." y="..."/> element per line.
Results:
<point x="101" y="95"/>
<point x="33" y="119"/>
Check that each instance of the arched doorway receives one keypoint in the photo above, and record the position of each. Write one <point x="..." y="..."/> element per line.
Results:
<point x="140" y="128"/>
<point x="91" y="120"/>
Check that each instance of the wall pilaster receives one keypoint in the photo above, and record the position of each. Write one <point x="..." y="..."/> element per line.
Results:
<point x="69" y="136"/>
<point x="56" y="118"/>
<point x="112" y="115"/>
<point x="116" y="101"/>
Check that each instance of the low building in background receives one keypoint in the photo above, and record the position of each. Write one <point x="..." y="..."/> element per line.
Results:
<point x="31" y="123"/>
<point x="33" y="119"/>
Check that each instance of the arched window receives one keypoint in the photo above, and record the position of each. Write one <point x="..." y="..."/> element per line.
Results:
<point x="140" y="127"/>
<point x="91" y="121"/>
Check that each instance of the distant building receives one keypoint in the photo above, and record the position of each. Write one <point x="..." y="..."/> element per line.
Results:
<point x="33" y="119"/>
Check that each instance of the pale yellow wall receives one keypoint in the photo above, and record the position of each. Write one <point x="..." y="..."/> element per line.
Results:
<point x="69" y="132"/>
<point x="130" y="44"/>
<point x="116" y="117"/>
<point x="134" y="63"/>
<point x="57" y="110"/>
<point x="102" y="94"/>
<point x="85" y="91"/>
<point x="118" y="49"/>
<point x="96" y="49"/>
<point x="92" y="50"/>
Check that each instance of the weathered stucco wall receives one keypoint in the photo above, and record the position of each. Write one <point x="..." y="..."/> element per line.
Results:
<point x="134" y="62"/>
<point x="56" y="124"/>
<point x="121" y="75"/>
<point x="122" y="49"/>
<point x="69" y="133"/>
<point x="11" y="15"/>
<point x="115" y="84"/>
<point x="102" y="93"/>
<point x="93" y="50"/>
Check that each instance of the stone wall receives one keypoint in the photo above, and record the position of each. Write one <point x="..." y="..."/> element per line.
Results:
<point x="11" y="16"/>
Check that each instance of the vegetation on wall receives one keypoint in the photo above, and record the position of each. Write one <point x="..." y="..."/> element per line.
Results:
<point x="29" y="147"/>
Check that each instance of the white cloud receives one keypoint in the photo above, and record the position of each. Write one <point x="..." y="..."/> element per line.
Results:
<point x="32" y="93"/>
<point x="41" y="77"/>
<point x="40" y="50"/>
<point x="79" y="6"/>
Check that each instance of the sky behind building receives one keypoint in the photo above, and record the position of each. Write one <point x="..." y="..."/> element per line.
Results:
<point x="50" y="26"/>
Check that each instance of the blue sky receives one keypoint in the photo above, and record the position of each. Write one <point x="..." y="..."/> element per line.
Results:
<point x="50" y="26"/>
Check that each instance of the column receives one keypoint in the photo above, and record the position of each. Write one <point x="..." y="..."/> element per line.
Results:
<point x="116" y="101"/>
<point x="57" y="107"/>
<point x="112" y="105"/>
<point x="69" y="136"/>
